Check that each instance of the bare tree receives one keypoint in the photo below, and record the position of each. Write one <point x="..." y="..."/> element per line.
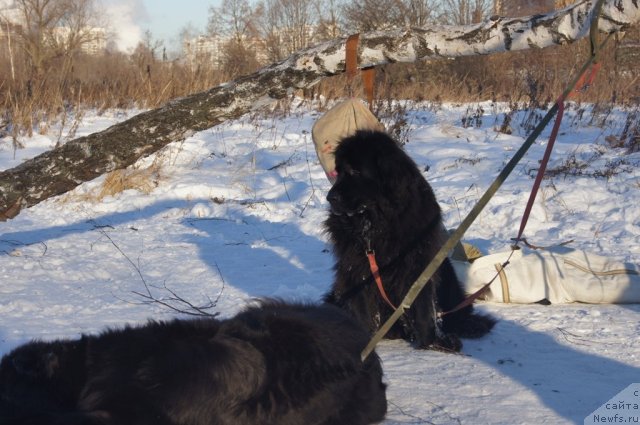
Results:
<point x="329" y="26"/>
<point x="528" y="7"/>
<point x="297" y="21"/>
<point x="465" y="12"/>
<point x="8" y="29"/>
<point x="287" y="26"/>
<point x="239" y="58"/>
<point x="147" y="49"/>
<point x="270" y="34"/>
<point x="419" y="13"/>
<point x="236" y="21"/>
<point x="53" y="28"/>
<point x="370" y="15"/>
<point x="189" y="37"/>
<point x="62" y="169"/>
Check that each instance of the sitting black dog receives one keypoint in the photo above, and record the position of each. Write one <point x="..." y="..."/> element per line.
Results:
<point x="272" y="364"/>
<point x="381" y="204"/>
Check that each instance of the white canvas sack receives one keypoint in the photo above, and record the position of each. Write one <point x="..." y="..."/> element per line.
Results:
<point x="559" y="275"/>
<point x="343" y="120"/>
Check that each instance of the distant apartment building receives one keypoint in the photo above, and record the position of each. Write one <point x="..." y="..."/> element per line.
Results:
<point x="9" y="17"/>
<point x="93" y="39"/>
<point x="204" y="49"/>
<point x="7" y="28"/>
<point x="210" y="49"/>
<point x="277" y="45"/>
<point x="9" y="10"/>
<point x="97" y="43"/>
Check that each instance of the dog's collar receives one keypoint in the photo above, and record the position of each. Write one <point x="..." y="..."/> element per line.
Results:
<point x="367" y="233"/>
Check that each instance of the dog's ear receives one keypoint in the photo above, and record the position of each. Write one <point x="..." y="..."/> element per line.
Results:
<point x="395" y="166"/>
<point x="400" y="176"/>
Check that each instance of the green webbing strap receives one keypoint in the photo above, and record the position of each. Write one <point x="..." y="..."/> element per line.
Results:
<point x="456" y="236"/>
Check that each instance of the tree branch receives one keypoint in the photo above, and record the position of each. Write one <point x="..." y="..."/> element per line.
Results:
<point x="62" y="169"/>
<point x="173" y="302"/>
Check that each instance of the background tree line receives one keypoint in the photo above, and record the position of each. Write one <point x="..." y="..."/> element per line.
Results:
<point x="45" y="76"/>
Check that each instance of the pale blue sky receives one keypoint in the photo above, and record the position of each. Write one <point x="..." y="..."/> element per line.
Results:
<point x="166" y="18"/>
<point x="129" y="19"/>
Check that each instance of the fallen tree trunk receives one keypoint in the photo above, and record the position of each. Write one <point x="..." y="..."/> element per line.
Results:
<point x="83" y="159"/>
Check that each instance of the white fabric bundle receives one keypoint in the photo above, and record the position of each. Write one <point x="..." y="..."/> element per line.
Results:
<point x="343" y="120"/>
<point x="559" y="275"/>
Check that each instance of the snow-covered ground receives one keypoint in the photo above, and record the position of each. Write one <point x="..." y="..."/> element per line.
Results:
<point x="235" y="212"/>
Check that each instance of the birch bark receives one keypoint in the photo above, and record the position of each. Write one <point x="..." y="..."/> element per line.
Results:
<point x="62" y="169"/>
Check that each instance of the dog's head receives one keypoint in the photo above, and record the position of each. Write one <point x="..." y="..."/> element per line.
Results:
<point x="44" y="372"/>
<point x="374" y="176"/>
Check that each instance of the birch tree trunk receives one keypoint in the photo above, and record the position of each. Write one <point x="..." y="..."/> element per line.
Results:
<point x="62" y="169"/>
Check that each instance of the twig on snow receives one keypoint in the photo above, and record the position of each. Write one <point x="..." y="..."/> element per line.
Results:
<point x="184" y="306"/>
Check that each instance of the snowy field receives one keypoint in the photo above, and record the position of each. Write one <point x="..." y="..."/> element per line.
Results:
<point x="235" y="212"/>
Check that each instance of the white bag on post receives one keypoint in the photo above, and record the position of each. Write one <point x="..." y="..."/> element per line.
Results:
<point x="559" y="275"/>
<point x="343" y="120"/>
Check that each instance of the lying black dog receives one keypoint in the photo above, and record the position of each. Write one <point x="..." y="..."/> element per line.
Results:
<point x="272" y="364"/>
<point x="381" y="203"/>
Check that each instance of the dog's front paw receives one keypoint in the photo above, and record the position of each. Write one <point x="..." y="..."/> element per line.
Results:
<point x="447" y="343"/>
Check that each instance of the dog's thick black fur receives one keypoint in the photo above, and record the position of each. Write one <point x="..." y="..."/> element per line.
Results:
<point x="272" y="364"/>
<point x="380" y="201"/>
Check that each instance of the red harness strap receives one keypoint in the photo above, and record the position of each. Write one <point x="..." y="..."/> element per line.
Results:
<point x="586" y="79"/>
<point x="375" y="271"/>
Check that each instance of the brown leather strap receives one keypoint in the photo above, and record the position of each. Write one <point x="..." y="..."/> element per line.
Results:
<point x="506" y="297"/>
<point x="351" y="59"/>
<point x="368" y="80"/>
<point x="351" y="67"/>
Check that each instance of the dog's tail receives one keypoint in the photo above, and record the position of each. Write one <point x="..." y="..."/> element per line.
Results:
<point x="471" y="325"/>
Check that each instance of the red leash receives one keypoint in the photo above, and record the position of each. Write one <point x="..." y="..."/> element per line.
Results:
<point x="585" y="80"/>
<point x="471" y="298"/>
<point x="375" y="271"/>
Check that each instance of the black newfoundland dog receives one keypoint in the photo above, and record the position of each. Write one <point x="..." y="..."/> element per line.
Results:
<point x="272" y="364"/>
<point x="381" y="202"/>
